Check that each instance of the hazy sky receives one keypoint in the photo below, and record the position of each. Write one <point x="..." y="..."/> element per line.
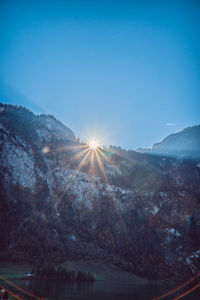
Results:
<point x="128" y="69"/>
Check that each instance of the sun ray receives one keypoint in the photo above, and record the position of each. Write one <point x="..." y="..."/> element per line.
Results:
<point x="92" y="148"/>
<point x="92" y="166"/>
<point x="103" y="154"/>
<point x="90" y="151"/>
<point x="78" y="168"/>
<point x="108" y="159"/>
<point x="75" y="158"/>
<point x="76" y="146"/>
<point x="78" y="155"/>
<point x="83" y="160"/>
<point x="101" y="167"/>
<point x="49" y="149"/>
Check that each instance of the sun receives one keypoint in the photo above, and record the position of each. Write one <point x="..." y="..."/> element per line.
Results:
<point x="93" y="144"/>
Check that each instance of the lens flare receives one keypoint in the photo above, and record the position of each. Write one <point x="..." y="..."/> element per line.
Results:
<point x="88" y="157"/>
<point x="93" y="144"/>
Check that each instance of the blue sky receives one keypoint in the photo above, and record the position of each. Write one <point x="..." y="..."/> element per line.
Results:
<point x="127" y="70"/>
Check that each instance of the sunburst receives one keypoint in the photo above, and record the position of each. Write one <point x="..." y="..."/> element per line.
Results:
<point x="89" y="157"/>
<point x="93" y="144"/>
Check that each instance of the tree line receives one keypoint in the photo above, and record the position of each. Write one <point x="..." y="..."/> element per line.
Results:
<point x="51" y="272"/>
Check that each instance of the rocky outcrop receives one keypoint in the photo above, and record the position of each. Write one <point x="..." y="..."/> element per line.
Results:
<point x="142" y="213"/>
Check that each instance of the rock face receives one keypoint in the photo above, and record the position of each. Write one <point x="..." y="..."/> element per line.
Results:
<point x="138" y="211"/>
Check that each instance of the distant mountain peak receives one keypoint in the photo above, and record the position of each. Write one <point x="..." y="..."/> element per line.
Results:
<point x="183" y="144"/>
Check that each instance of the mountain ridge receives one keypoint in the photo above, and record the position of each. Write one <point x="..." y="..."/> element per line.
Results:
<point x="141" y="215"/>
<point x="184" y="144"/>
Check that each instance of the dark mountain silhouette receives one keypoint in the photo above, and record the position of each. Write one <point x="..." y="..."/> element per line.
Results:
<point x="142" y="213"/>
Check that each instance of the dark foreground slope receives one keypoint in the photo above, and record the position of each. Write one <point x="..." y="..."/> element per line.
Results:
<point x="142" y="213"/>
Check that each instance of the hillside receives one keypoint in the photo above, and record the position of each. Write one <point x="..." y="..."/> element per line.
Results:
<point x="137" y="211"/>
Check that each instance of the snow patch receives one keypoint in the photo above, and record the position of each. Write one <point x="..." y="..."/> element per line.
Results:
<point x="195" y="254"/>
<point x="72" y="237"/>
<point x="173" y="231"/>
<point x="190" y="260"/>
<point x="163" y="194"/>
<point x="155" y="210"/>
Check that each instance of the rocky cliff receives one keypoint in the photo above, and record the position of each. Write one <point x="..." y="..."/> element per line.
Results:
<point x="138" y="211"/>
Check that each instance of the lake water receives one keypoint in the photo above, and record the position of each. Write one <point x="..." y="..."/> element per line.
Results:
<point x="99" y="290"/>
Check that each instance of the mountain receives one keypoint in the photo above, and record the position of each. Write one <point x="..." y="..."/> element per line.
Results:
<point x="60" y="202"/>
<point x="184" y="144"/>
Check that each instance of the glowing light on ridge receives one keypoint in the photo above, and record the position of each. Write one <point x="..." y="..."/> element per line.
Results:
<point x="93" y="144"/>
